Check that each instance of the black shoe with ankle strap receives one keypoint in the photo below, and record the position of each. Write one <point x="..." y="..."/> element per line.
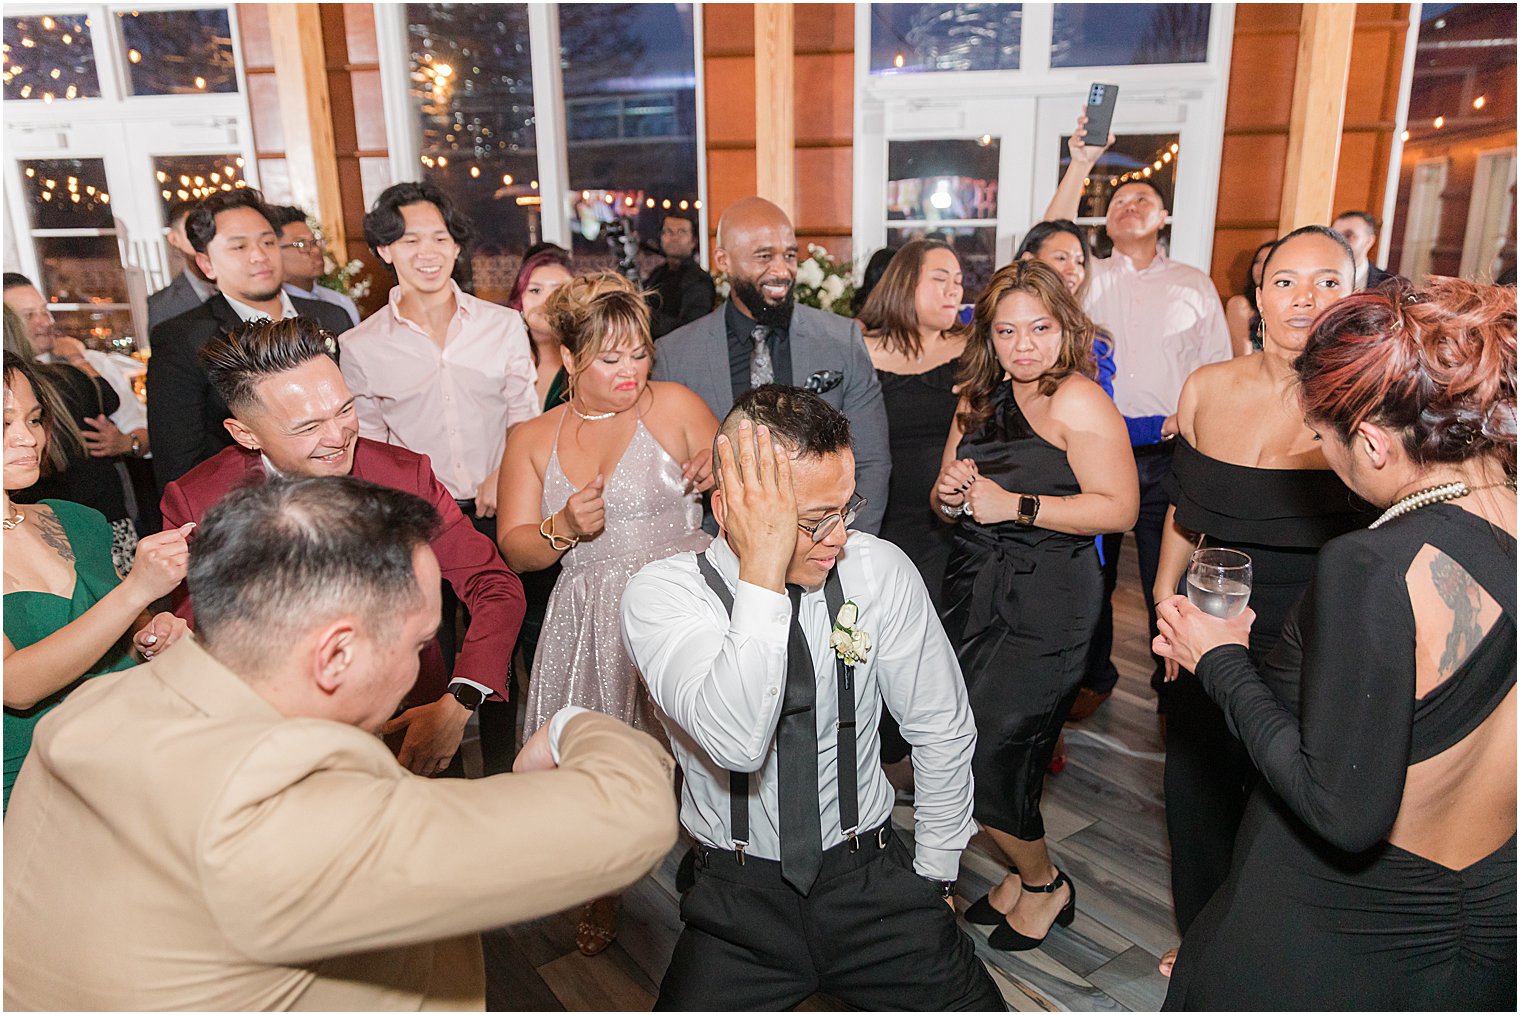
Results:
<point x="1005" y="939"/>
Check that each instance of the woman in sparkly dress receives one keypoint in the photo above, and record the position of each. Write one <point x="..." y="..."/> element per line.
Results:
<point x="601" y="485"/>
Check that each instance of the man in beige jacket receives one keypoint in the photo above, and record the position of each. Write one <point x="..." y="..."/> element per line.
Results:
<point x="219" y="829"/>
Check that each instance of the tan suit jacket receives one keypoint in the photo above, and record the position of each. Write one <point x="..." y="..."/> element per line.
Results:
<point x="174" y="843"/>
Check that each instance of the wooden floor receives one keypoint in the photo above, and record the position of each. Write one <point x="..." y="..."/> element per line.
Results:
<point x="1105" y="828"/>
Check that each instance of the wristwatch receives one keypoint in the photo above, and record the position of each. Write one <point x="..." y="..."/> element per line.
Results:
<point x="946" y="889"/>
<point x="467" y="695"/>
<point x="136" y="446"/>
<point x="1029" y="506"/>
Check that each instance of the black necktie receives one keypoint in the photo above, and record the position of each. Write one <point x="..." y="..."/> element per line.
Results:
<point x="797" y="756"/>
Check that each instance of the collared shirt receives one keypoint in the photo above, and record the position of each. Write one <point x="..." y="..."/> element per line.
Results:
<point x="204" y="289"/>
<point x="247" y="313"/>
<point x="326" y="295"/>
<point x="454" y="403"/>
<point x="741" y="346"/>
<point x="1166" y="321"/>
<point x="718" y="682"/>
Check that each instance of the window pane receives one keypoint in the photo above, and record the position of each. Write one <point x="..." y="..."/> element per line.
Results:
<point x="186" y="177"/>
<point x="81" y="269"/>
<point x="1120" y="35"/>
<point x="631" y="123"/>
<point x="178" y="52"/>
<point x="101" y="329"/>
<point x="943" y="37"/>
<point x="938" y="180"/>
<point x="472" y="88"/>
<point x="48" y="57"/>
<point x="976" y="246"/>
<point x="1132" y="157"/>
<point x="67" y="193"/>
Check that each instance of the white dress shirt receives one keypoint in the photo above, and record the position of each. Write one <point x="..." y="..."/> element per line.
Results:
<point x="1166" y="322"/>
<point x="453" y="403"/>
<point x="719" y="685"/>
<point x="247" y="313"/>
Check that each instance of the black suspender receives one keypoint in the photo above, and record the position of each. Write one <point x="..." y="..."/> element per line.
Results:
<point x="845" y="743"/>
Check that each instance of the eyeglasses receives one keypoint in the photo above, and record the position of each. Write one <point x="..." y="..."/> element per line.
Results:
<point x="302" y="245"/>
<point x="820" y="530"/>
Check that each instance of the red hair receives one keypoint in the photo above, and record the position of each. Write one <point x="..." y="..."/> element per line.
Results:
<point x="525" y="272"/>
<point x="1437" y="367"/>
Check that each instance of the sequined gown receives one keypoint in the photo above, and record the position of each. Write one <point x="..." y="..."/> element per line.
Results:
<point x="580" y="658"/>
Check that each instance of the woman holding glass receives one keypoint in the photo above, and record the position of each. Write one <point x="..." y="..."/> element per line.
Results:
<point x="1264" y="489"/>
<point x="1375" y="867"/>
<point x="1037" y="463"/>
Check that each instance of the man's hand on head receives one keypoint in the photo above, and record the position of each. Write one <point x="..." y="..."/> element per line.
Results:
<point x="759" y="505"/>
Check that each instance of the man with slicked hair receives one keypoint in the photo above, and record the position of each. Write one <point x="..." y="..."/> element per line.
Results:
<point x="220" y="829"/>
<point x="293" y="415"/>
<point x="761" y="336"/>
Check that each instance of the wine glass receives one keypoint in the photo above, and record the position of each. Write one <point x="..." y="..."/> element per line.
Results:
<point x="1219" y="581"/>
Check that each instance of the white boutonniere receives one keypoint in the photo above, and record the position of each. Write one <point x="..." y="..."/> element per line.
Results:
<point x="849" y="642"/>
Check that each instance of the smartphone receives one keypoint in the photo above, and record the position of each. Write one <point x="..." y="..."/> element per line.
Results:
<point x="1100" y="112"/>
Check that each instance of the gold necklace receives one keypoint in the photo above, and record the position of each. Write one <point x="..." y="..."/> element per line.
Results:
<point x="14" y="520"/>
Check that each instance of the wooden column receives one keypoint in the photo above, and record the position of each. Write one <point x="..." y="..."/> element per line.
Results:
<point x="1319" y="110"/>
<point x="775" y="112"/>
<point x="300" y="61"/>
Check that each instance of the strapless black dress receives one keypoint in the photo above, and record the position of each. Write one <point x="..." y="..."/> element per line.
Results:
<point x="1281" y="518"/>
<point x="920" y="410"/>
<point x="1021" y="605"/>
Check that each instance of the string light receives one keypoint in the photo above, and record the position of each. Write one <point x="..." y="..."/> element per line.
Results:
<point x="134" y="56"/>
<point x="1480" y="102"/>
<point x="697" y="205"/>
<point x="48" y="22"/>
<point x="200" y="83"/>
<point x="649" y="202"/>
<point x="475" y="172"/>
<point x="897" y="61"/>
<point x="30" y="172"/>
<point x="1439" y="122"/>
<point x="1404" y="136"/>
<point x="684" y="205"/>
<point x="507" y="179"/>
<point x="166" y="194"/>
<point x="665" y="203"/>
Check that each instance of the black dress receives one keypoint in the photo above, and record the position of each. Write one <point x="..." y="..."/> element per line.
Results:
<point x="920" y="410"/>
<point x="1021" y="604"/>
<point x="1320" y="911"/>
<point x="1280" y="518"/>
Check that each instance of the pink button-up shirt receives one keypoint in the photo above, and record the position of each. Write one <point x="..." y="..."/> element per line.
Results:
<point x="1166" y="321"/>
<point x="453" y="403"/>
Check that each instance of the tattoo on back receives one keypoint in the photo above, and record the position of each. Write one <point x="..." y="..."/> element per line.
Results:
<point x="1463" y="597"/>
<point x="53" y="534"/>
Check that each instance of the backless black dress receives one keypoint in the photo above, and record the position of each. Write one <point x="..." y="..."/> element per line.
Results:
<point x="1280" y="518"/>
<point x="1021" y="604"/>
<point x="1319" y="910"/>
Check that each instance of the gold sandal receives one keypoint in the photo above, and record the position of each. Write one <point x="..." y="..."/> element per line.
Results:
<point x="597" y="927"/>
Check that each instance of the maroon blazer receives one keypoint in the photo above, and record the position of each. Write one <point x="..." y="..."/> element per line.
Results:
<point x="470" y="563"/>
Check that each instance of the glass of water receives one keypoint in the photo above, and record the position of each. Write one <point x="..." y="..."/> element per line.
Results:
<point x="1219" y="582"/>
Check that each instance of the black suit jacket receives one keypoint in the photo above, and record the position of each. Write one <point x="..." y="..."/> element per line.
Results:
<point x="185" y="413"/>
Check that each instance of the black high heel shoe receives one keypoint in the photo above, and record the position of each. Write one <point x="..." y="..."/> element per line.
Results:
<point x="1005" y="939"/>
<point x="982" y="913"/>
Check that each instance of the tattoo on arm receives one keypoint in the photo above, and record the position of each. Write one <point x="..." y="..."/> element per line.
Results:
<point x="53" y="534"/>
<point x="1463" y="597"/>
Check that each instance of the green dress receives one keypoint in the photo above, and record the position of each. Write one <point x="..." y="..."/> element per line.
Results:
<point x="32" y="616"/>
<point x="557" y="392"/>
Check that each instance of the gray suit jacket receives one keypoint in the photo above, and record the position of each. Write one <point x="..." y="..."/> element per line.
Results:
<point x="697" y="356"/>
<point x="178" y="297"/>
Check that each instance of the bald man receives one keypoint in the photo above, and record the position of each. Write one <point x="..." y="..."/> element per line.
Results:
<point x="761" y="336"/>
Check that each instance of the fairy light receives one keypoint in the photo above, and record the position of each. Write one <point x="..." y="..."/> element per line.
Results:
<point x="697" y="205"/>
<point x="1404" y="136"/>
<point x="475" y="172"/>
<point x="30" y="172"/>
<point x="1438" y="122"/>
<point x="166" y="194"/>
<point x="200" y="83"/>
<point x="239" y="161"/>
<point x="665" y="203"/>
<point x="134" y="56"/>
<point x="443" y="160"/>
<point x="684" y="205"/>
<point x="648" y="202"/>
<point x="898" y="61"/>
<point x="48" y="23"/>
<point x="506" y="179"/>
<point x="534" y="184"/>
<point x="1480" y="102"/>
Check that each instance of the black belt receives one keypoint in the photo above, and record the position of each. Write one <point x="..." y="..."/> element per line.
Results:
<point x="466" y="506"/>
<point x="732" y="865"/>
<point x="845" y="743"/>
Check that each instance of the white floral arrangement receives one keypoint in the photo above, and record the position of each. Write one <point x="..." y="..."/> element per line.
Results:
<point x="849" y="642"/>
<point x="822" y="282"/>
<point x="348" y="279"/>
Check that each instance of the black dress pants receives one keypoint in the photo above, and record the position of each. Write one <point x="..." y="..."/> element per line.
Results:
<point x="872" y="934"/>
<point x="497" y="719"/>
<point x="1154" y="464"/>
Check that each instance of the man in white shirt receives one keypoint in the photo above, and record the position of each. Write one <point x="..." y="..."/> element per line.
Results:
<point x="444" y="374"/>
<point x="801" y="884"/>
<point x="1166" y="321"/>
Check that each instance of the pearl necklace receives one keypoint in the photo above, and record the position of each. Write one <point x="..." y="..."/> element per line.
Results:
<point x="14" y="520"/>
<point x="1430" y="495"/>
<point x="592" y="417"/>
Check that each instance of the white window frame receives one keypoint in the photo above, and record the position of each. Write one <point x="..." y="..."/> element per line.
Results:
<point x="548" y="111"/>
<point x="1187" y="99"/>
<point x="127" y="132"/>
